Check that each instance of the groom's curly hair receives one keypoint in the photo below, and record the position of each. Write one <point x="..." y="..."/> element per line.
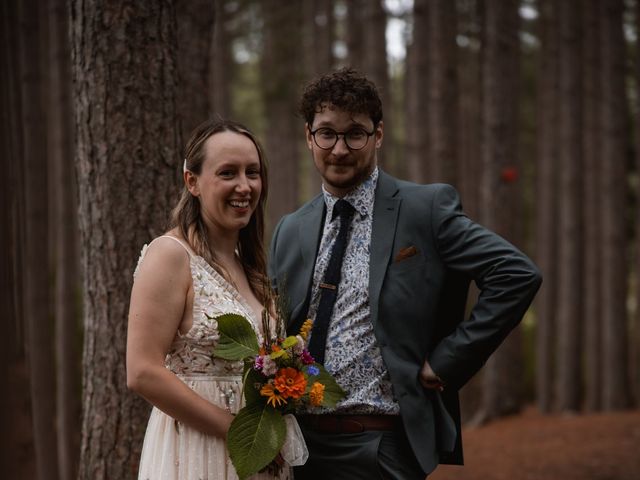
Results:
<point x="345" y="89"/>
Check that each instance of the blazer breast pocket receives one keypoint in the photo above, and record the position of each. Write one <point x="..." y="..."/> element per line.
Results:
<point x="406" y="259"/>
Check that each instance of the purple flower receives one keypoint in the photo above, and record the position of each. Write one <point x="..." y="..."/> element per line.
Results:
<point x="313" y="370"/>
<point x="306" y="357"/>
<point x="259" y="363"/>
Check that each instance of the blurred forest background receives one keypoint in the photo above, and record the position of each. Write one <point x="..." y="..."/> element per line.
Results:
<point x="528" y="107"/>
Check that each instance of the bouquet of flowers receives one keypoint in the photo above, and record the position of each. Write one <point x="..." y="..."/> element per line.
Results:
<point x="279" y="377"/>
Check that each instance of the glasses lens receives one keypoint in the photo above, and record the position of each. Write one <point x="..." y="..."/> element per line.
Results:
<point x="356" y="138"/>
<point x="325" y="138"/>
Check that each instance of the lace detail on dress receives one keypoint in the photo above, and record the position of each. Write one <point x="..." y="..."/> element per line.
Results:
<point x="142" y="253"/>
<point x="213" y="296"/>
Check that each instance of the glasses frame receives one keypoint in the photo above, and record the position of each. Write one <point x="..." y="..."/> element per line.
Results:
<point x="343" y="135"/>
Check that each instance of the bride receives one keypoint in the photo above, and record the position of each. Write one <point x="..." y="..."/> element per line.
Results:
<point x="209" y="263"/>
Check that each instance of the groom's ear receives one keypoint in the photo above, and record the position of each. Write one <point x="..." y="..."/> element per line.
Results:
<point x="309" y="137"/>
<point x="379" y="134"/>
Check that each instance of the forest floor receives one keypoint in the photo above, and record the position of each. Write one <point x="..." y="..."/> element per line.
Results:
<point x="532" y="446"/>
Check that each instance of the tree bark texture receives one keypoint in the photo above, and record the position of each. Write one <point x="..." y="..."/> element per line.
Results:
<point x="442" y="91"/>
<point x="418" y="135"/>
<point x="128" y="162"/>
<point x="195" y="20"/>
<point x="547" y="167"/>
<point x="592" y="213"/>
<point x="635" y="354"/>
<point x="501" y="191"/>
<point x="282" y="75"/>
<point x="470" y="105"/>
<point x="570" y="265"/>
<point x="65" y="231"/>
<point x="37" y="299"/>
<point x="17" y="454"/>
<point x="615" y="381"/>
<point x="319" y="36"/>
<point x="221" y="65"/>
<point x="354" y="34"/>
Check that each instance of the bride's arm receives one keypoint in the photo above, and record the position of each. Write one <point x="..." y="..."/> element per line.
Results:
<point x="158" y="300"/>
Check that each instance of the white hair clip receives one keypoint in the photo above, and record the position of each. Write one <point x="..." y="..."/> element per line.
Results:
<point x="184" y="166"/>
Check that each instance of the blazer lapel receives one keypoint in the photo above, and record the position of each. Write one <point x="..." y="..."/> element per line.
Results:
<point x="385" y="218"/>
<point x="309" y="234"/>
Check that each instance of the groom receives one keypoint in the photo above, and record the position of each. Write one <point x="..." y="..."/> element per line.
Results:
<point x="383" y="266"/>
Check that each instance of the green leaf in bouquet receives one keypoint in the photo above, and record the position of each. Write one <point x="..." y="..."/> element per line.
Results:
<point x="237" y="338"/>
<point x="289" y="342"/>
<point x="251" y="378"/>
<point x="333" y="393"/>
<point x="255" y="437"/>
<point x="278" y="354"/>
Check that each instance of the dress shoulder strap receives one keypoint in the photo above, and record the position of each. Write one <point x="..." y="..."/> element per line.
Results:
<point x="146" y="246"/>
<point x="183" y="244"/>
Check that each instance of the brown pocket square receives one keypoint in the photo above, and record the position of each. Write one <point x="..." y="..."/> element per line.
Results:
<point x="405" y="253"/>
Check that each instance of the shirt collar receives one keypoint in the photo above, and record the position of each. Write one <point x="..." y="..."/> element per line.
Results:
<point x="361" y="198"/>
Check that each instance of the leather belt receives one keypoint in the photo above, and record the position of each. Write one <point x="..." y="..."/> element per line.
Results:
<point x="350" y="423"/>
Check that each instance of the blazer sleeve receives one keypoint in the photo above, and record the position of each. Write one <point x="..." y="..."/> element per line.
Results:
<point x="507" y="279"/>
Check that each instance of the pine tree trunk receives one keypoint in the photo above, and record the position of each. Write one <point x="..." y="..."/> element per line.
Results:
<point x="18" y="449"/>
<point x="570" y="273"/>
<point x="36" y="294"/>
<point x="615" y="380"/>
<point x="128" y="163"/>
<point x="501" y="193"/>
<point x="319" y="36"/>
<point x="221" y="65"/>
<point x="17" y="456"/>
<point x="592" y="214"/>
<point x="319" y="26"/>
<point x="281" y="62"/>
<point x="547" y="203"/>
<point x="65" y="228"/>
<point x="635" y="356"/>
<point x="470" y="107"/>
<point x="417" y="82"/>
<point x="195" y="21"/>
<point x="355" y="35"/>
<point x="442" y="91"/>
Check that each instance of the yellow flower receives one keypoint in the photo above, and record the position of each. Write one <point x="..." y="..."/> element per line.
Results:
<point x="275" y="399"/>
<point x="306" y="328"/>
<point x="316" y="394"/>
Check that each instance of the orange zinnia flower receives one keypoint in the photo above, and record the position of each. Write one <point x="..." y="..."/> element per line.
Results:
<point x="316" y="394"/>
<point x="290" y="382"/>
<point x="275" y="399"/>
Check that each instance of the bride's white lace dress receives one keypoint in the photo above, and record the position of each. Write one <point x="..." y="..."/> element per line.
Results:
<point x="172" y="450"/>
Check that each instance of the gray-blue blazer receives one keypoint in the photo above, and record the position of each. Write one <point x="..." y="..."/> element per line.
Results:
<point x="418" y="302"/>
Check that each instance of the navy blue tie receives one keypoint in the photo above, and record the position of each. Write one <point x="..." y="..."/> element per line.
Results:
<point x="330" y="282"/>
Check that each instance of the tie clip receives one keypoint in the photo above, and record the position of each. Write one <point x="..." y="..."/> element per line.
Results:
<point x="328" y="286"/>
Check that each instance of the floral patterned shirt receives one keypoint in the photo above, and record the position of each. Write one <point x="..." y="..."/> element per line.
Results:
<point x="352" y="354"/>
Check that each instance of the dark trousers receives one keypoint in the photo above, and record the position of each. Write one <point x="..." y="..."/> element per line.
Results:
<point x="370" y="455"/>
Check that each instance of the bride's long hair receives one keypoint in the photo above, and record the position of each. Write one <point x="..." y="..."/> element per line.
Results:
<point x="186" y="216"/>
